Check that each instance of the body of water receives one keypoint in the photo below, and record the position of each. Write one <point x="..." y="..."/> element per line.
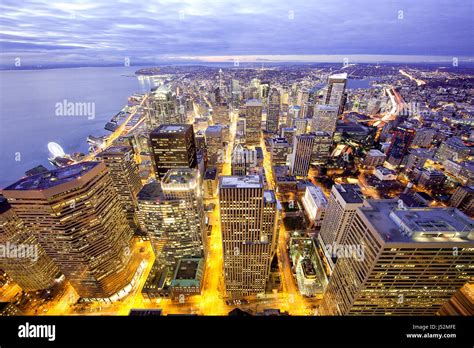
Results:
<point x="28" y="117"/>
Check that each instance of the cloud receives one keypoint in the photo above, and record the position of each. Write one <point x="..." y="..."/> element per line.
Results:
<point x="46" y="31"/>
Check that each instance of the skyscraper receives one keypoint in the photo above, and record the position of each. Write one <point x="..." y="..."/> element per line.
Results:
<point x="173" y="146"/>
<point x="22" y="258"/>
<point x="172" y="214"/>
<point x="301" y="155"/>
<point x="214" y="145"/>
<point x="343" y="202"/>
<point x="399" y="145"/>
<point x="413" y="261"/>
<point x="279" y="151"/>
<point x="253" y="122"/>
<point x="77" y="217"/>
<point x="324" y="119"/>
<point x="162" y="108"/>
<point x="321" y="148"/>
<point x="123" y="170"/>
<point x="242" y="160"/>
<point x="249" y="221"/>
<point x="220" y="113"/>
<point x="273" y="111"/>
<point x="335" y="91"/>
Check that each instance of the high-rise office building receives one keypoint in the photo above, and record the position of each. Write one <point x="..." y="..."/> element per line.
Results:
<point x="253" y="122"/>
<point x="334" y="94"/>
<point x="300" y="125"/>
<point x="22" y="258"/>
<point x="220" y="113"/>
<point x="172" y="214"/>
<point x="412" y="261"/>
<point x="324" y="119"/>
<point x="463" y="199"/>
<point x="243" y="159"/>
<point x="273" y="111"/>
<point x="162" y="108"/>
<point x="280" y="149"/>
<point x="214" y="145"/>
<point x="249" y="223"/>
<point x="301" y="155"/>
<point x="321" y="148"/>
<point x="123" y="170"/>
<point x="343" y="202"/>
<point x="77" y="217"/>
<point x="173" y="146"/>
<point x="401" y="140"/>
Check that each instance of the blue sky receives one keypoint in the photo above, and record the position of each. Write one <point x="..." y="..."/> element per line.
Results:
<point x="88" y="32"/>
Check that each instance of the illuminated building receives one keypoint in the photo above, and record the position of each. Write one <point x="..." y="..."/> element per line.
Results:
<point x="123" y="170"/>
<point x="463" y="199"/>
<point x="220" y="114"/>
<point x="424" y="137"/>
<point x="162" y="108"/>
<point x="173" y="146"/>
<point x="77" y="217"/>
<point x="414" y="260"/>
<point x="314" y="203"/>
<point x="301" y="155"/>
<point x="187" y="279"/>
<point x="374" y="158"/>
<point x="21" y="257"/>
<point x="280" y="149"/>
<point x="172" y="214"/>
<point x="210" y="183"/>
<point x="399" y="145"/>
<point x="300" y="125"/>
<point x="249" y="221"/>
<point x="452" y="149"/>
<point x="243" y="159"/>
<point x="385" y="174"/>
<point x="343" y="202"/>
<point x="334" y="93"/>
<point x="273" y="111"/>
<point x="431" y="179"/>
<point x="289" y="134"/>
<point x="417" y="158"/>
<point x="321" y="148"/>
<point x="253" y="122"/>
<point x="324" y="119"/>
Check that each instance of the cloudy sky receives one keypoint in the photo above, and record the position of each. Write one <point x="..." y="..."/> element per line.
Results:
<point x="108" y="32"/>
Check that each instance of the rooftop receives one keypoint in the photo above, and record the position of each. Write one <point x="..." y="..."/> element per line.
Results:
<point x="396" y="223"/>
<point x="114" y="150"/>
<point x="53" y="178"/>
<point x="210" y="174"/>
<point x="317" y="195"/>
<point x="150" y="192"/>
<point x="247" y="181"/>
<point x="253" y="102"/>
<point x="338" y="76"/>
<point x="180" y="176"/>
<point x="350" y="193"/>
<point x="171" y="128"/>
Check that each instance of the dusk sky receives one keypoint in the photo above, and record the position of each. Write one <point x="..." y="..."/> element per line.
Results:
<point x="90" y="32"/>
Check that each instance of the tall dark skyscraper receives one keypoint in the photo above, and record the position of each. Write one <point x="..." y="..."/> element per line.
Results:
<point x="173" y="146"/>
<point x="401" y="140"/>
